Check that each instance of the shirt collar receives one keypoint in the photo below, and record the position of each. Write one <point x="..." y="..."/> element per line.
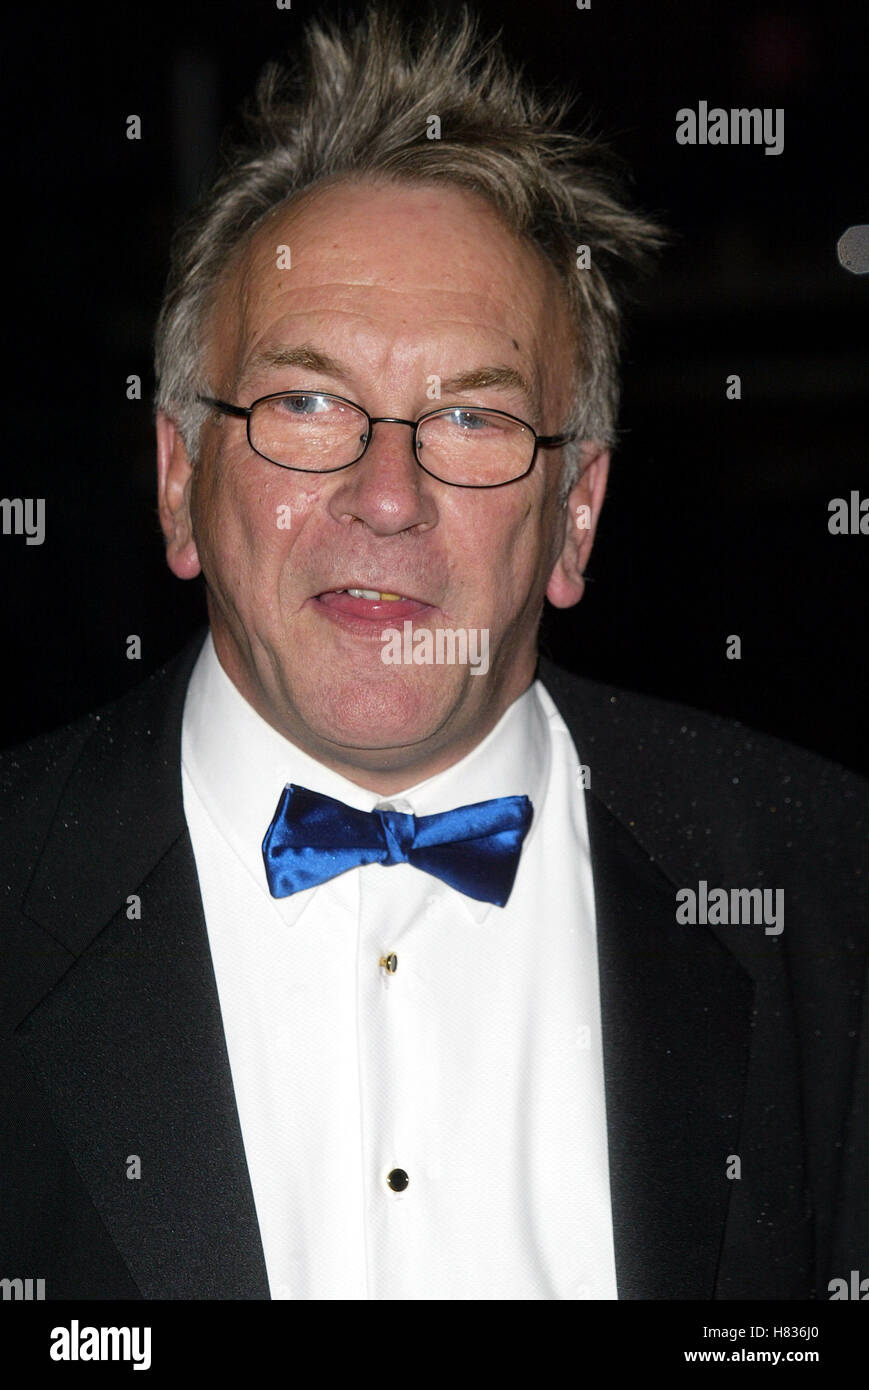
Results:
<point x="239" y="765"/>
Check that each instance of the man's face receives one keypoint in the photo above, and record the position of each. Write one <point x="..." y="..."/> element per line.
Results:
<point x="388" y="287"/>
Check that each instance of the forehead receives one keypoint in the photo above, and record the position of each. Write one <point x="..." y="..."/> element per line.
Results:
<point x="404" y="275"/>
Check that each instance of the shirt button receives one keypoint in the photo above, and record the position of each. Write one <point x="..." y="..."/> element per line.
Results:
<point x="398" y="1179"/>
<point x="389" y="963"/>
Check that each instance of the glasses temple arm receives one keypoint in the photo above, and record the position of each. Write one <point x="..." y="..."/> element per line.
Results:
<point x="555" y="441"/>
<point x="224" y="406"/>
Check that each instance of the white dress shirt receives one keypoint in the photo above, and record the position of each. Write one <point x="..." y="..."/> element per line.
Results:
<point x="475" y="1066"/>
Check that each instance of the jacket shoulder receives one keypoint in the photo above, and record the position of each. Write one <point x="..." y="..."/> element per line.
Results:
<point x="686" y="776"/>
<point x="34" y="773"/>
<point x="666" y="732"/>
<point x="32" y="777"/>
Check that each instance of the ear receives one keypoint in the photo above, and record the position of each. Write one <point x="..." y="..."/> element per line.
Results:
<point x="566" y="583"/>
<point x="174" y="481"/>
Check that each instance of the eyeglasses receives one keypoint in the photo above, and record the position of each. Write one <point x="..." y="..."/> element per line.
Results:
<point x="465" y="446"/>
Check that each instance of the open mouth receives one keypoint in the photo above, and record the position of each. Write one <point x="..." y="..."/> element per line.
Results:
<point x="373" y="594"/>
<point x="371" y="607"/>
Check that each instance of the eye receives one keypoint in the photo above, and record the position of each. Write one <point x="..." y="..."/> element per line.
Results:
<point x="470" y="419"/>
<point x="304" y="404"/>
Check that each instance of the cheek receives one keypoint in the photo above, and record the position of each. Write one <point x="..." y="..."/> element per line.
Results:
<point x="525" y="534"/>
<point x="527" y="562"/>
<point x="245" y="515"/>
<point x="498" y="551"/>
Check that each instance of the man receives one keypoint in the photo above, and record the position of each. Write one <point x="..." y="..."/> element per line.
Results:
<point x="358" y="954"/>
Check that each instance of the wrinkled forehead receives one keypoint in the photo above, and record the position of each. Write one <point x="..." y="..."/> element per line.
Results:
<point x="409" y="270"/>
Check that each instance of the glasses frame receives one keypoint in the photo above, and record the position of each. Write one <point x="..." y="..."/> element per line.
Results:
<point x="245" y="412"/>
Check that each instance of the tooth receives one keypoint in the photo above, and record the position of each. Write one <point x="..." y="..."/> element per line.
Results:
<point x="372" y="593"/>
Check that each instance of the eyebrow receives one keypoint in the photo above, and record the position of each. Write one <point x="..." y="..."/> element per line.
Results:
<point x="302" y="356"/>
<point x="313" y="360"/>
<point x="505" y="378"/>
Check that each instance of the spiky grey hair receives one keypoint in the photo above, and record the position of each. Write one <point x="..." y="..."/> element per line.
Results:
<point x="356" y="105"/>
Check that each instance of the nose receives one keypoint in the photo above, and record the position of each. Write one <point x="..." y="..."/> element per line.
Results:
<point x="385" y="489"/>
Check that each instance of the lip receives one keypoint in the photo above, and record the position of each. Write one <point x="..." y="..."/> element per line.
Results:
<point x="367" y="617"/>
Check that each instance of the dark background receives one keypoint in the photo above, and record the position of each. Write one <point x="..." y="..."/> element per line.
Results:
<point x="716" y="521"/>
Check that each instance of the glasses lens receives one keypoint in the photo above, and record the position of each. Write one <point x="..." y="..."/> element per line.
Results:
<point x="478" y="448"/>
<point x="308" y="430"/>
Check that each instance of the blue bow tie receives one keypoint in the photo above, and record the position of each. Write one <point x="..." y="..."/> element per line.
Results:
<point x="475" y="849"/>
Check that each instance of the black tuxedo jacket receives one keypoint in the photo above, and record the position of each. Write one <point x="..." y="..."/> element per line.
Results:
<point x="720" y="1043"/>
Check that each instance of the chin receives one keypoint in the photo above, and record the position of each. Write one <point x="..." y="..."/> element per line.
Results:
<point x="409" y="707"/>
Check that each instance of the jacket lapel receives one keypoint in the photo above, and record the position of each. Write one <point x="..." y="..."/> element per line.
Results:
<point x="676" y="1014"/>
<point x="129" y="1044"/>
<point x="676" y="1027"/>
